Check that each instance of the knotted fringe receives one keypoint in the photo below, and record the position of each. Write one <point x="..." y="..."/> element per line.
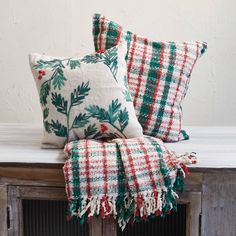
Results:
<point x="93" y="206"/>
<point x="141" y="206"/>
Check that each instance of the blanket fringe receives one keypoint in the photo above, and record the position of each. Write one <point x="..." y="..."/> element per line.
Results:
<point x="103" y="205"/>
<point x="135" y="207"/>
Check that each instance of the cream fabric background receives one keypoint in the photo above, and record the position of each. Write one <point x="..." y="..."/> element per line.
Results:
<point x="103" y="89"/>
<point x="63" y="28"/>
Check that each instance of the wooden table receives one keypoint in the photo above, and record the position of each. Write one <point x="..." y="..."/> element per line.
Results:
<point x="211" y="186"/>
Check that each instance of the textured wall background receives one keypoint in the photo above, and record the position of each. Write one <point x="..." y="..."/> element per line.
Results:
<point x="62" y="27"/>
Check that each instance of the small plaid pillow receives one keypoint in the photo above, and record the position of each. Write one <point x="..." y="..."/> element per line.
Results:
<point x="158" y="76"/>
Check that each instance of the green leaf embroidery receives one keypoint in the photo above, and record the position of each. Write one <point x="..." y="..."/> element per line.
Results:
<point x="58" y="78"/>
<point x="73" y="63"/>
<point x="94" y="58"/>
<point x="47" y="126"/>
<point x="60" y="103"/>
<point x="127" y="96"/>
<point x="111" y="116"/>
<point x="98" y="113"/>
<point x="91" y="130"/>
<point x="79" y="94"/>
<point x="112" y="110"/>
<point x="44" y="92"/>
<point x="126" y="93"/>
<point x="41" y="64"/>
<point x="59" y="129"/>
<point x="80" y="121"/>
<point x="109" y="58"/>
<point x="123" y="119"/>
<point x="45" y="113"/>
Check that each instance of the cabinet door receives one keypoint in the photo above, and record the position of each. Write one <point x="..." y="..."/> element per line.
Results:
<point x="20" y="197"/>
<point x="40" y="211"/>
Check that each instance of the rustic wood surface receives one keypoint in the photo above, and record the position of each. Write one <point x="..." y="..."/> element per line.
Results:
<point x="219" y="205"/>
<point x="20" y="145"/>
<point x="3" y="210"/>
<point x="193" y="201"/>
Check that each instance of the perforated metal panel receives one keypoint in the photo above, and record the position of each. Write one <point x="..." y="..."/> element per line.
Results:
<point x="48" y="218"/>
<point x="173" y="224"/>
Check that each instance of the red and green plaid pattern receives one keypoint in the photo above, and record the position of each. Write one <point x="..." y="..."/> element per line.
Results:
<point x="158" y="76"/>
<point x="94" y="178"/>
<point x="131" y="179"/>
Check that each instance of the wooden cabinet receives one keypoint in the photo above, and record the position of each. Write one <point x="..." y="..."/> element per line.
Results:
<point x="30" y="173"/>
<point x="15" y="192"/>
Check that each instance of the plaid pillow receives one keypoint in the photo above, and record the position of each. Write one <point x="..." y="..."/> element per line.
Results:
<point x="158" y="76"/>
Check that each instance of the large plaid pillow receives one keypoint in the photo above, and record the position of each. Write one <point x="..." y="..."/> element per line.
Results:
<point x="158" y="76"/>
<point x="85" y="97"/>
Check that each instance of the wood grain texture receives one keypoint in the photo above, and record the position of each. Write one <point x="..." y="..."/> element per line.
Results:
<point x="95" y="227"/>
<point x="3" y="210"/>
<point x="15" y="212"/>
<point x="193" y="201"/>
<point x="22" y="173"/>
<point x="215" y="147"/>
<point x="109" y="227"/>
<point x="219" y="205"/>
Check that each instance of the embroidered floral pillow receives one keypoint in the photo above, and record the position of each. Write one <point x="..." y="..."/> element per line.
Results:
<point x="158" y="76"/>
<point x="85" y="97"/>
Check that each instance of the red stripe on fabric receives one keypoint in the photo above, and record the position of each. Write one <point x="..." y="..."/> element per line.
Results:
<point x="131" y="164"/>
<point x="66" y="170"/>
<point x="159" y="74"/>
<point x="104" y="167"/>
<point x="149" y="167"/>
<point x="102" y="29"/>
<point x="180" y="123"/>
<point x="131" y="57"/>
<point x="176" y="93"/>
<point x="118" y="35"/>
<point x="87" y="167"/>
<point x="141" y="70"/>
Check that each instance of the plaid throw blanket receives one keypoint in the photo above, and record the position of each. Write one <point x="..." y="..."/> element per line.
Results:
<point x="131" y="179"/>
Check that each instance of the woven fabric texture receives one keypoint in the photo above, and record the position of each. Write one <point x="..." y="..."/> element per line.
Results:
<point x="158" y="76"/>
<point x="130" y="179"/>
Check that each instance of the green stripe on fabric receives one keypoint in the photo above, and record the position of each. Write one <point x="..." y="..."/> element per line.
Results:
<point x="183" y="135"/>
<point x="168" y="181"/>
<point x="111" y="34"/>
<point x="168" y="79"/>
<point x="76" y="181"/>
<point x="204" y="48"/>
<point x="128" y="38"/>
<point x="96" y="30"/>
<point x="123" y="213"/>
<point x="151" y="80"/>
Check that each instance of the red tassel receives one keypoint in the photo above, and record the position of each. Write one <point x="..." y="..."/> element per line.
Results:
<point x="185" y="169"/>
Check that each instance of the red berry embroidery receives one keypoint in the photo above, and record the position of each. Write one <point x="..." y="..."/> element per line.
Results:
<point x="103" y="128"/>
<point x="101" y="51"/>
<point x="41" y="74"/>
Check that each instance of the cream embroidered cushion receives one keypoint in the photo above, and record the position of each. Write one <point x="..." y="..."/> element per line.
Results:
<point x="158" y="76"/>
<point x="85" y="97"/>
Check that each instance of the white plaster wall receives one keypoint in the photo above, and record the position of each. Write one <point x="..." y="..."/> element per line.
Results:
<point x="64" y="27"/>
